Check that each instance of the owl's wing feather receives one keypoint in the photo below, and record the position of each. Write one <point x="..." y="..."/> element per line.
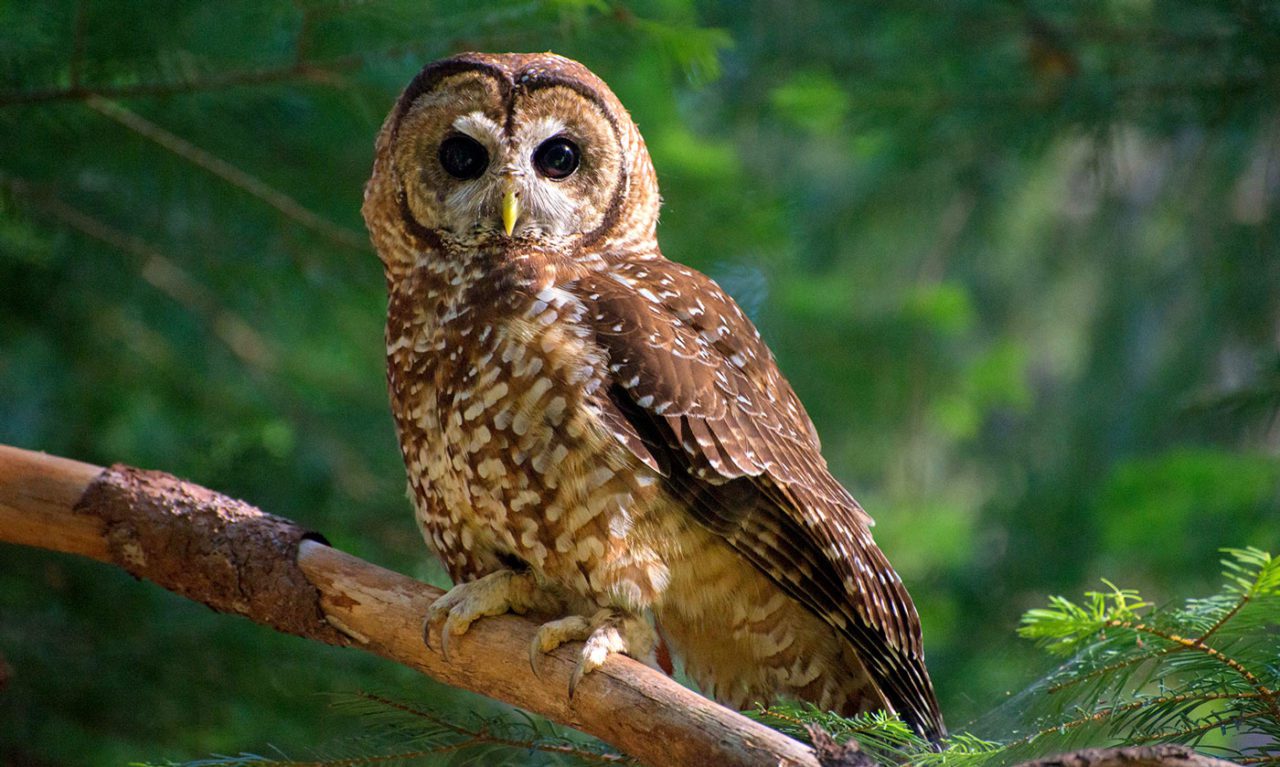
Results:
<point x="701" y="395"/>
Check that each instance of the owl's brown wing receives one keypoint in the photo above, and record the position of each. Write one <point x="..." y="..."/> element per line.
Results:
<point x="697" y="394"/>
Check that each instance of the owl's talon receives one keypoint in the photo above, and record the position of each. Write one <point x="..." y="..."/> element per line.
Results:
<point x="552" y="634"/>
<point x="426" y="632"/>
<point x="535" y="649"/>
<point x="608" y="631"/>
<point x="459" y="607"/>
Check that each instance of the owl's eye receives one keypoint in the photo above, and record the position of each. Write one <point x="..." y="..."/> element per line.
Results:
<point x="557" y="158"/>
<point x="463" y="157"/>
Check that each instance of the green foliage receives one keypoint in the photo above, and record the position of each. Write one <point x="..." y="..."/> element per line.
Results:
<point x="1019" y="260"/>
<point x="814" y="101"/>
<point x="1064" y="625"/>
<point x="1204" y="674"/>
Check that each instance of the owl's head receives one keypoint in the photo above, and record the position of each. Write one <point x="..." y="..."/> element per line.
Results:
<point x="529" y="148"/>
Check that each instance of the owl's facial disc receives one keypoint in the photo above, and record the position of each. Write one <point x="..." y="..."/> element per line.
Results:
<point x="508" y="182"/>
<point x="478" y="159"/>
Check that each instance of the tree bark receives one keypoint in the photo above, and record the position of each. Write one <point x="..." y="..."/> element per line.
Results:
<point x="234" y="558"/>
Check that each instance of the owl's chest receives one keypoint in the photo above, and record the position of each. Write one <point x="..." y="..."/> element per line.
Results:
<point x="493" y="401"/>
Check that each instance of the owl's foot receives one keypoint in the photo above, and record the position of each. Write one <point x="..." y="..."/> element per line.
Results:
<point x="608" y="631"/>
<point x="493" y="594"/>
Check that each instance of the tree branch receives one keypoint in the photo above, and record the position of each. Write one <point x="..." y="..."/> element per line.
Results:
<point x="234" y="558"/>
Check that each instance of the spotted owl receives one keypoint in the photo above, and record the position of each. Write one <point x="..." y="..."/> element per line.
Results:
<point x="598" y="436"/>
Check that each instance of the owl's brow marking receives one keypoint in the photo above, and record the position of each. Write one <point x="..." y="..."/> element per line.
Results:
<point x="480" y="127"/>
<point x="540" y="130"/>
<point x="433" y="74"/>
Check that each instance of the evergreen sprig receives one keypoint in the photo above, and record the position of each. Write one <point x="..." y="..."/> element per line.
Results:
<point x="1206" y="674"/>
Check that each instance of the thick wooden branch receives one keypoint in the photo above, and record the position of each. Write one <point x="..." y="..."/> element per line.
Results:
<point x="234" y="558"/>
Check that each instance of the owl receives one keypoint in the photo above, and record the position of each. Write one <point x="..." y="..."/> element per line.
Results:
<point x="598" y="436"/>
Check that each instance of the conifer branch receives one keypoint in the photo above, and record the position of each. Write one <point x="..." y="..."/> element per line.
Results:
<point x="1198" y="729"/>
<point x="1108" y="669"/>
<point x="1227" y="616"/>
<point x="1137" y="705"/>
<point x="1268" y="695"/>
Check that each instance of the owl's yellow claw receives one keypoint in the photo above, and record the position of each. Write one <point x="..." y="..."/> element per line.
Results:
<point x="453" y="612"/>
<point x="535" y="649"/>
<point x="510" y="210"/>
<point x="610" y="631"/>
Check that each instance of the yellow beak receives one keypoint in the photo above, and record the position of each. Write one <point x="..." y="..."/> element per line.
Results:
<point x="510" y="210"/>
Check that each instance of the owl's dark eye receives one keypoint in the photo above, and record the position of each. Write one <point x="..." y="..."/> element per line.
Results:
<point x="463" y="157"/>
<point x="557" y="158"/>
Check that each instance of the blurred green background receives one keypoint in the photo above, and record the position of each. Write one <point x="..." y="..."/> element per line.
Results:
<point x="1019" y="260"/>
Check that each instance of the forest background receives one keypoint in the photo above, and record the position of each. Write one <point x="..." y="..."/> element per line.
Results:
<point x="1018" y="259"/>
